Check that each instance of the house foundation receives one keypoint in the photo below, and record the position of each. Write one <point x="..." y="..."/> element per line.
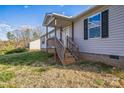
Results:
<point x="117" y="61"/>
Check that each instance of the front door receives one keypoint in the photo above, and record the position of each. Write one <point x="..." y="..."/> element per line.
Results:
<point x="65" y="33"/>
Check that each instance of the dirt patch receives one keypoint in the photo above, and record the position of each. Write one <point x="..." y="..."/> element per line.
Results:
<point x="64" y="77"/>
<point x="49" y="74"/>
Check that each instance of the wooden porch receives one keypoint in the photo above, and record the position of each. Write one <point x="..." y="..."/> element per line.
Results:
<point x="66" y="55"/>
<point x="67" y="51"/>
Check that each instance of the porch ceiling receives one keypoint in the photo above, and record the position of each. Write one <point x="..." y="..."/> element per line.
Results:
<point x="58" y="22"/>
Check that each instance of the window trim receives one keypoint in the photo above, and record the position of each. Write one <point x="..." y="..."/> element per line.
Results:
<point x="96" y="26"/>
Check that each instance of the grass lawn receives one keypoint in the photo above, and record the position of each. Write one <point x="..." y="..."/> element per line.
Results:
<point x="38" y="69"/>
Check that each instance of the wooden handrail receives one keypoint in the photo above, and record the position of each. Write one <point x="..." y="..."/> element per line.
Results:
<point x="72" y="42"/>
<point x="73" y="47"/>
<point x="60" y="49"/>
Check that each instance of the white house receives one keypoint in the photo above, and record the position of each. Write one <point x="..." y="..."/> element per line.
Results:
<point x="96" y="34"/>
<point x="47" y="39"/>
<point x="35" y="45"/>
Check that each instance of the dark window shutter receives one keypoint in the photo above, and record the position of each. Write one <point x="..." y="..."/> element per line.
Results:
<point x="86" y="29"/>
<point x="105" y="27"/>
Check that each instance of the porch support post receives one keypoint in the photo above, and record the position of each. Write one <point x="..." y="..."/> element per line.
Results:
<point x="55" y="54"/>
<point x="61" y="33"/>
<point x="55" y="27"/>
<point x="72" y="31"/>
<point x="47" y="39"/>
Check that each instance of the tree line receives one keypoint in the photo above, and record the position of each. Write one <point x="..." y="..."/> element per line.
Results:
<point x="22" y="37"/>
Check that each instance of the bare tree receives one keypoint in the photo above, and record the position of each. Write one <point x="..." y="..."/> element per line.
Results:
<point x="37" y="32"/>
<point x="26" y="35"/>
<point x="22" y="36"/>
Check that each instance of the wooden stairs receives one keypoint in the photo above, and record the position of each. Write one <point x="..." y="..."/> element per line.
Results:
<point x="66" y="55"/>
<point x="69" y="58"/>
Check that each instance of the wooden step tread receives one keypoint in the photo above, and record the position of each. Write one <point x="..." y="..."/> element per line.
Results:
<point x="68" y="55"/>
<point x="70" y="59"/>
<point x="68" y="62"/>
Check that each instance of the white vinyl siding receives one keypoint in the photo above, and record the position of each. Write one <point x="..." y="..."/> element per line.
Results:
<point x="35" y="45"/>
<point x="70" y="31"/>
<point x="66" y="32"/>
<point x="58" y="33"/>
<point x="113" y="45"/>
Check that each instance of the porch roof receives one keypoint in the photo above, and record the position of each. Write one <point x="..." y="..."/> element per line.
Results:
<point x="62" y="20"/>
<point x="58" y="20"/>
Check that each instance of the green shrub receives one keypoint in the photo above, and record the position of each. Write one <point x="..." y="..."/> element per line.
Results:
<point x="18" y="50"/>
<point x="2" y="52"/>
<point x="6" y="46"/>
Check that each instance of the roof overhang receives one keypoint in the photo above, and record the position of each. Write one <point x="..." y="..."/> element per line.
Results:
<point x="62" y="20"/>
<point x="57" y="20"/>
<point x="90" y="10"/>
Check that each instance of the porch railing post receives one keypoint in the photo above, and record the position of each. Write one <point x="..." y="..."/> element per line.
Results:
<point x="73" y="47"/>
<point x="55" y="42"/>
<point x="47" y="39"/>
<point x="72" y="31"/>
<point x="67" y="42"/>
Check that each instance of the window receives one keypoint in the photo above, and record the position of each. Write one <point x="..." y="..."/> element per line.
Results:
<point x="51" y="35"/>
<point x="94" y="26"/>
<point x="97" y="25"/>
<point x="43" y="40"/>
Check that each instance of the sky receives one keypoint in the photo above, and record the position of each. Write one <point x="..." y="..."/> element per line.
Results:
<point x="14" y="16"/>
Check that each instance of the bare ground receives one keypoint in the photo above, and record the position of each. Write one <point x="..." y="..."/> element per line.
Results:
<point x="51" y="75"/>
<point x="59" y="76"/>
